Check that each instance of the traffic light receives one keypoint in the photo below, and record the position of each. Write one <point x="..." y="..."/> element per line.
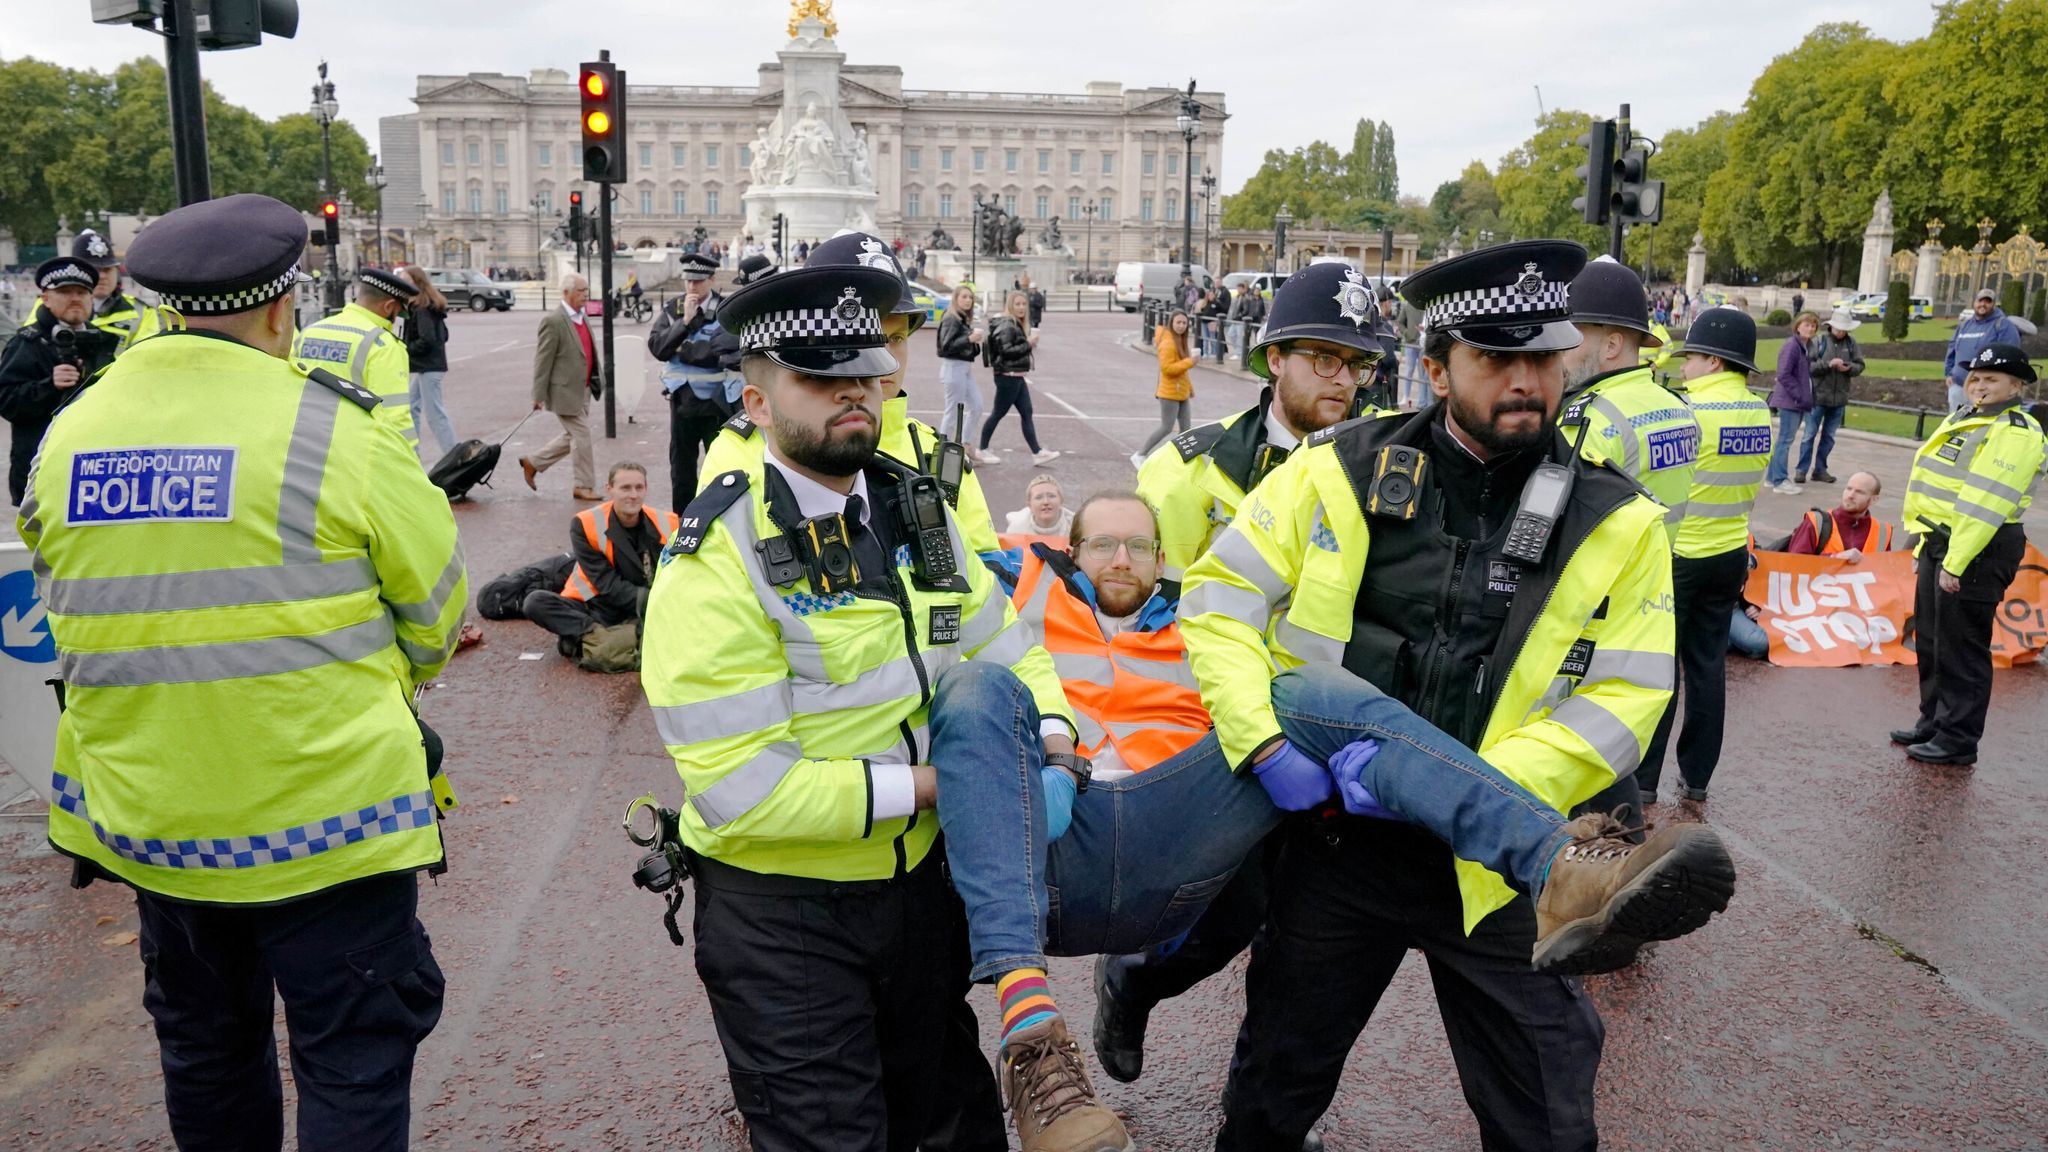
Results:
<point x="1597" y="173"/>
<point x="602" y="92"/>
<point x="242" y="23"/>
<point x="330" y="218"/>
<point x="576" y="217"/>
<point x="1637" y="198"/>
<point x="780" y="226"/>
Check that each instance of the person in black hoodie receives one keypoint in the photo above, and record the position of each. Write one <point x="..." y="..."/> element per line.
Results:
<point x="1011" y="343"/>
<point x="52" y="355"/>
<point x="426" y="353"/>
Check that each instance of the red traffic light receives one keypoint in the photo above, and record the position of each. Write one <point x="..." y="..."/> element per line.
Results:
<point x="576" y="199"/>
<point x="595" y="83"/>
<point x="330" y="209"/>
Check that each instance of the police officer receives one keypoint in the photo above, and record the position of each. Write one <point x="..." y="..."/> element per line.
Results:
<point x="700" y="377"/>
<point x="1710" y="554"/>
<point x="1464" y="560"/>
<point x="817" y="636"/>
<point x="56" y="351"/>
<point x="113" y="310"/>
<point x="1971" y="483"/>
<point x="1318" y="350"/>
<point x="247" y="578"/>
<point x="358" y="345"/>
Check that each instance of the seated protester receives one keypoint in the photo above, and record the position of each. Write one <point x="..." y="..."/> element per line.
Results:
<point x="616" y="545"/>
<point x="1043" y="514"/>
<point x="1746" y="637"/>
<point x="1850" y="530"/>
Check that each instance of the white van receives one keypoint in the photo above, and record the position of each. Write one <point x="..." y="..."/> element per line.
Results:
<point x="1138" y="280"/>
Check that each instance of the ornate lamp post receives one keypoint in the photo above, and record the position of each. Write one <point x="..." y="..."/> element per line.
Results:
<point x="1190" y="124"/>
<point x="1281" y="220"/>
<point x="1208" y="209"/>
<point x="325" y="108"/>
<point x="1983" y="249"/>
<point x="1088" y="211"/>
<point x="1485" y="237"/>
<point x="376" y="176"/>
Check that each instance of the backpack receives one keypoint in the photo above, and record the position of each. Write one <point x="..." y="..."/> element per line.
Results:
<point x="501" y="599"/>
<point x="611" y="648"/>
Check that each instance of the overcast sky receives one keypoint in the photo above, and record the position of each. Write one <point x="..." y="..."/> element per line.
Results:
<point x="1457" y="78"/>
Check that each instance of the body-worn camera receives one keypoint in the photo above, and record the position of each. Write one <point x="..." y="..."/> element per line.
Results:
<point x="1396" y="488"/>
<point x="1267" y="458"/>
<point x="828" y="554"/>
<point x="921" y="509"/>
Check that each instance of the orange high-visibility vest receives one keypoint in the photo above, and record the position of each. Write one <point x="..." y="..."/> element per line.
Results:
<point x="594" y="521"/>
<point x="1829" y="541"/>
<point x="1135" y="692"/>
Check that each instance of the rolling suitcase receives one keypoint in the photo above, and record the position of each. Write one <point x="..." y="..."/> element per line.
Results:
<point x="468" y="464"/>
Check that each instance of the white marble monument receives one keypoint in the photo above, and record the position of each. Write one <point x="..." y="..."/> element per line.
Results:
<point x="811" y="164"/>
<point x="1877" y="247"/>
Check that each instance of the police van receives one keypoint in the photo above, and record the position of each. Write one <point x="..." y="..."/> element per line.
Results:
<point x="1138" y="281"/>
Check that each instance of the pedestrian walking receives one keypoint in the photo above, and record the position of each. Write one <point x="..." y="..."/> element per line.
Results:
<point x="564" y="380"/>
<point x="1414" y="382"/>
<point x="1011" y="345"/>
<point x="426" y="353"/>
<point x="1971" y="483"/>
<point x="1987" y="324"/>
<point x="241" y="748"/>
<point x="1836" y="359"/>
<point x="1791" y="400"/>
<point x="1176" y="392"/>
<point x="960" y="345"/>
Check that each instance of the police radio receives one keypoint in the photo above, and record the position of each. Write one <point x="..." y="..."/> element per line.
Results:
<point x="1396" y="487"/>
<point x="1542" y="503"/>
<point x="828" y="554"/>
<point x="921" y="513"/>
<point x="949" y="460"/>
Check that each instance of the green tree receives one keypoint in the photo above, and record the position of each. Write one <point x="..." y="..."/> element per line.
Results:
<point x="1359" y="162"/>
<point x="293" y="144"/>
<point x="1537" y="181"/>
<point x="1385" y="185"/>
<point x="52" y="162"/>
<point x="1321" y="186"/>
<point x="1686" y="160"/>
<point x="1802" y="168"/>
<point x="140" y="174"/>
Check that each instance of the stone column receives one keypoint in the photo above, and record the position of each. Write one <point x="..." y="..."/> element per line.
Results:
<point x="1877" y="247"/>
<point x="1696" y="265"/>
<point x="1927" y="274"/>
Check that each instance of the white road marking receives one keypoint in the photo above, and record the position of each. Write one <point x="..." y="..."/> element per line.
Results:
<point x="487" y="351"/>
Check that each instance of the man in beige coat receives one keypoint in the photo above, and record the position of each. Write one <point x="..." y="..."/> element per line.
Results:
<point x="564" y="364"/>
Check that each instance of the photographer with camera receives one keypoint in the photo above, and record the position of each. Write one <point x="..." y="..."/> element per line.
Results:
<point x="54" y="352"/>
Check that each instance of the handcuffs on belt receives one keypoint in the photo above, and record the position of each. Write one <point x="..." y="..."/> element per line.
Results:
<point x="663" y="870"/>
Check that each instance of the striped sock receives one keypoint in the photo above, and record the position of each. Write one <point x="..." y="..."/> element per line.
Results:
<point x="1025" y="999"/>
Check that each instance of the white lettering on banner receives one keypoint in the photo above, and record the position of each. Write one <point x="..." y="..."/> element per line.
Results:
<point x="1801" y="594"/>
<point x="1820" y="633"/>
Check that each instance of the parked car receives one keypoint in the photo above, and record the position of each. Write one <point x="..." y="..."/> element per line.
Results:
<point x="1138" y="281"/>
<point x="1262" y="282"/>
<point x="934" y="305"/>
<point x="466" y="287"/>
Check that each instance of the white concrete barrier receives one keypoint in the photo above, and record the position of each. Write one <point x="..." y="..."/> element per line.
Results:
<point x="28" y="659"/>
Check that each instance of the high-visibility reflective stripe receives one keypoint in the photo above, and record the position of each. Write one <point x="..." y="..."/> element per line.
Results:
<point x="1309" y="647"/>
<point x="1706" y="510"/>
<point x="1560" y="687"/>
<point x="896" y="680"/>
<point x="1676" y="513"/>
<point x="1086" y="731"/>
<point x="1175" y="672"/>
<point x="1009" y="646"/>
<point x="741" y="789"/>
<point x="199" y="663"/>
<point x="1098" y="670"/>
<point x="422" y="655"/>
<point x="305" y="463"/>
<point x="1654" y="670"/>
<point x="1981" y="514"/>
<point x="1174" y="574"/>
<point x="1727" y="477"/>
<point x="1630" y="455"/>
<point x="1237" y="553"/>
<point x="1614" y="741"/>
<point x="1998" y="488"/>
<point x="427" y="613"/>
<point x="733" y="715"/>
<point x="399" y="814"/>
<point x="1123" y="730"/>
<point x="986" y="623"/>
<point x="1229" y="600"/>
<point x="215" y="588"/>
<point x="799" y="647"/>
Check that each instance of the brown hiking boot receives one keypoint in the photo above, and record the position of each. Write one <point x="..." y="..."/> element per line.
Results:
<point x="1605" y="897"/>
<point x="1051" y="1100"/>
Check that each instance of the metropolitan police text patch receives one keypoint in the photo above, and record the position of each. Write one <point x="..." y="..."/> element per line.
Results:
<point x="1671" y="447"/>
<point x="133" y="485"/>
<point x="1754" y="440"/>
<point x="331" y="351"/>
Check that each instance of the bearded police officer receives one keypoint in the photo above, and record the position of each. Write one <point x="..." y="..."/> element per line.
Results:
<point x="248" y="576"/>
<point x="1710" y="554"/>
<point x="700" y="374"/>
<point x="358" y="345"/>
<point x="818" y="636"/>
<point x="1971" y="483"/>
<point x="58" y="350"/>
<point x="1468" y="562"/>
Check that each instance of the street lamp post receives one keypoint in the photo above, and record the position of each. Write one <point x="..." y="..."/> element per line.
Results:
<point x="377" y="185"/>
<point x="1088" y="275"/>
<point x="1485" y="237"/>
<point x="1983" y="250"/>
<point x="1208" y="210"/>
<point x="1190" y="123"/>
<point x="1281" y="220"/>
<point x="325" y="109"/>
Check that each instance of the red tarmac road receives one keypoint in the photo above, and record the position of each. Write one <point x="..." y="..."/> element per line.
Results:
<point x="1875" y="985"/>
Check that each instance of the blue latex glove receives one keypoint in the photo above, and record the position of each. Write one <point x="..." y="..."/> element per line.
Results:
<point x="1059" y="801"/>
<point x="1294" y="781"/>
<point x="1345" y="768"/>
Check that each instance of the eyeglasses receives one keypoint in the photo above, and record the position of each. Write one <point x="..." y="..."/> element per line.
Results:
<point x="1104" y="547"/>
<point x="1328" y="364"/>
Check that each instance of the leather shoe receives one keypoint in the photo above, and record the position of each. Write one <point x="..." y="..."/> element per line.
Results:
<point x="588" y="494"/>
<point x="526" y="466"/>
<point x="1912" y="735"/>
<point x="1931" y="752"/>
<point x="1824" y="477"/>
<point x="1119" y="1030"/>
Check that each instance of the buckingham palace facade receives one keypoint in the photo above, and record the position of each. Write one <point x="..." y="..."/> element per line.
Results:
<point x="498" y="156"/>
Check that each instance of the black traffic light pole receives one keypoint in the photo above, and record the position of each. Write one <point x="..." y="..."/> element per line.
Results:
<point x="604" y="271"/>
<point x="1620" y="149"/>
<point x="188" y="103"/>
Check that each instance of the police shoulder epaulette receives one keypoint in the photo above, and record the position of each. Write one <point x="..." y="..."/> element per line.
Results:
<point x="740" y="424"/>
<point x="1196" y="441"/>
<point x="1325" y="435"/>
<point x="348" y="390"/>
<point x="696" y="520"/>
<point x="2017" y="416"/>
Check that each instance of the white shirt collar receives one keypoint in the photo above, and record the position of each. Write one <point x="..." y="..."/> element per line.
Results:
<point x="813" y="498"/>
<point x="1276" y="433"/>
<point x="575" y="314"/>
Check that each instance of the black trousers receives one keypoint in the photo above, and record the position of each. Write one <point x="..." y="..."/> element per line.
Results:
<point x="1706" y="590"/>
<point x="360" y="988"/>
<point x="1144" y="980"/>
<point x="692" y="424"/>
<point x="1346" y="906"/>
<point x="834" y="1003"/>
<point x="1952" y="636"/>
<point x="1011" y="392"/>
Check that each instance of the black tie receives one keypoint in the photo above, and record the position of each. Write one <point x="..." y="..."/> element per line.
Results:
<point x="868" y="551"/>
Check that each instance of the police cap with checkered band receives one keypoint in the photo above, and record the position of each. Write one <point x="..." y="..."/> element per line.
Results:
<point x="1328" y="302"/>
<point x="851" y="247"/>
<point x="1513" y="297"/>
<point x="219" y="257"/>
<point x="66" y="272"/>
<point x="820" y="320"/>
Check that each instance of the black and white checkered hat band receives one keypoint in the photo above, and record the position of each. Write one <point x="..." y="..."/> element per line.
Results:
<point x="240" y="301"/>
<point x="70" y="275"/>
<point x="1503" y="303"/>
<point x="812" y="325"/>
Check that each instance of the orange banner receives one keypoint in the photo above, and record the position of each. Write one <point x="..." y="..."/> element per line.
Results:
<point x="1820" y="612"/>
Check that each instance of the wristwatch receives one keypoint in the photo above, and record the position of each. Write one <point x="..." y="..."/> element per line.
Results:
<point x="1074" y="762"/>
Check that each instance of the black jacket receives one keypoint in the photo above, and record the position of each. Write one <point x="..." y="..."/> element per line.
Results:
<point x="954" y="344"/>
<point x="701" y="343"/>
<point x="622" y="585"/>
<point x="1009" y="348"/>
<point x="426" y="339"/>
<point x="28" y="398"/>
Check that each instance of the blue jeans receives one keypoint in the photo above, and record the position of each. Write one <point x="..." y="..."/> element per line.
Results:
<point x="1414" y="378"/>
<point x="1145" y="854"/>
<point x="1957" y="398"/>
<point x="1818" y="430"/>
<point x="1781" y="445"/>
<point x="426" y="396"/>
<point x="1747" y="637"/>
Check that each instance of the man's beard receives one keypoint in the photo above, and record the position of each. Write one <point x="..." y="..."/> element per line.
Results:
<point x="820" y="451"/>
<point x="1118" y="602"/>
<point x="1483" y="428"/>
<point x="1301" y="413"/>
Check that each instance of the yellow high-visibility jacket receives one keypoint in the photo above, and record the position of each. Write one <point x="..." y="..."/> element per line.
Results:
<point x="358" y="345"/>
<point x="1972" y="477"/>
<point x="1638" y="426"/>
<point x="1735" y="445"/>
